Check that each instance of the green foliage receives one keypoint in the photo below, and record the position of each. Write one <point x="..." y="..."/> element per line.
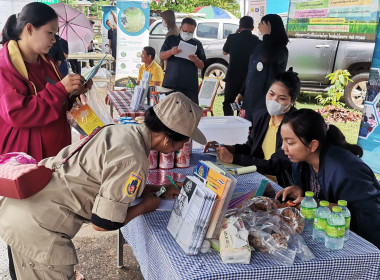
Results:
<point x="338" y="80"/>
<point x="188" y="6"/>
<point x="94" y="10"/>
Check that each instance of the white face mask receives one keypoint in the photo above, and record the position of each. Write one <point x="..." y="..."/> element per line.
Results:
<point x="186" y="36"/>
<point x="276" y="109"/>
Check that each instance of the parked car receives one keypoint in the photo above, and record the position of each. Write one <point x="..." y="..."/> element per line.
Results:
<point x="313" y="59"/>
<point x="212" y="33"/>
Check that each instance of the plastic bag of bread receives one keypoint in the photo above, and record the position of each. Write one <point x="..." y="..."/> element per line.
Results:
<point x="292" y="217"/>
<point x="261" y="203"/>
<point x="270" y="234"/>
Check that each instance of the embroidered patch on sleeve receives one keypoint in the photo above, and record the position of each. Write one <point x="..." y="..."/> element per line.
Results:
<point x="133" y="184"/>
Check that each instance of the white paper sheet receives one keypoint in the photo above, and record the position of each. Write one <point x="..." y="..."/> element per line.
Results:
<point x="187" y="49"/>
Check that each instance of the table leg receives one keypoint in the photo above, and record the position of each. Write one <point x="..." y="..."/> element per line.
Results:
<point x="120" y="251"/>
<point x="111" y="108"/>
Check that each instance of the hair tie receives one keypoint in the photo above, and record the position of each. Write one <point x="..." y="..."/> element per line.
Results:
<point x="327" y="126"/>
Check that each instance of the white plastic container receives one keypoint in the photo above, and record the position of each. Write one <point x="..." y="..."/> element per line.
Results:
<point x="228" y="130"/>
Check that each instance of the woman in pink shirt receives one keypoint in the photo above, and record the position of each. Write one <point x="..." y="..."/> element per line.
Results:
<point x="32" y="93"/>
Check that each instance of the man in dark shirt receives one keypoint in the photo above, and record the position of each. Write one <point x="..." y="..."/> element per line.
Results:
<point x="239" y="46"/>
<point x="56" y="51"/>
<point x="112" y="41"/>
<point x="182" y="74"/>
<point x="64" y="67"/>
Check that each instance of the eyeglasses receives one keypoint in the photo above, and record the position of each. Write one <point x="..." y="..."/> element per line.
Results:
<point x="188" y="33"/>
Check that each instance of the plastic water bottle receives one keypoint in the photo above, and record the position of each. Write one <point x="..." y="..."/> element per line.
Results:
<point x="335" y="229"/>
<point x="347" y="215"/>
<point x="320" y="221"/>
<point x="308" y="207"/>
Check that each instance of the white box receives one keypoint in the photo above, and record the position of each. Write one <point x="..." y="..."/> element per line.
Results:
<point x="228" y="130"/>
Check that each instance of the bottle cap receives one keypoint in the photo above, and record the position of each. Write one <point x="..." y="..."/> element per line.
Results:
<point x="342" y="203"/>
<point x="324" y="203"/>
<point x="337" y="209"/>
<point x="309" y="194"/>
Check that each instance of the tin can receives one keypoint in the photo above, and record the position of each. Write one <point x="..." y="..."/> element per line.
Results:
<point x="166" y="161"/>
<point x="153" y="159"/>
<point x="182" y="157"/>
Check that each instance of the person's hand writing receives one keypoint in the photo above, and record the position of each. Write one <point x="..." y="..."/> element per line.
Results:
<point x="239" y="98"/>
<point x="210" y="145"/>
<point x="175" y="50"/>
<point x="151" y="203"/>
<point x="73" y="82"/>
<point x="224" y="154"/>
<point x="294" y="192"/>
<point x="264" y="27"/>
<point x="171" y="190"/>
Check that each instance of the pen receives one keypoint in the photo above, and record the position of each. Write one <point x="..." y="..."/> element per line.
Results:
<point x="171" y="180"/>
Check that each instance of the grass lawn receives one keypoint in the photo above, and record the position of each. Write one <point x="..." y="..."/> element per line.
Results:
<point x="349" y="129"/>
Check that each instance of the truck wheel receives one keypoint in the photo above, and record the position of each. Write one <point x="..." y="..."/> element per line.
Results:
<point x="355" y="91"/>
<point x="217" y="70"/>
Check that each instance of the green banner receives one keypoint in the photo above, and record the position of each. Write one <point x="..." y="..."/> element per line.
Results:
<point x="48" y="2"/>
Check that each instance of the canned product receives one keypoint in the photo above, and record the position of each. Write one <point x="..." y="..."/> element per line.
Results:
<point x="166" y="161"/>
<point x="182" y="157"/>
<point x="153" y="159"/>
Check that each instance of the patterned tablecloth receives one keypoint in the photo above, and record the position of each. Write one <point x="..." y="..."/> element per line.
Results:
<point x="161" y="258"/>
<point x="121" y="100"/>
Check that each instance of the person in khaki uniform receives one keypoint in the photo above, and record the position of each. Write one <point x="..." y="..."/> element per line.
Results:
<point x="97" y="185"/>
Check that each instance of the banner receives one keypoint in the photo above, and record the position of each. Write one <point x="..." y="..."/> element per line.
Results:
<point x="369" y="133"/>
<point x="354" y="20"/>
<point x="10" y="7"/>
<point x="132" y="37"/>
<point x="48" y="2"/>
<point x="256" y="9"/>
<point x="106" y="15"/>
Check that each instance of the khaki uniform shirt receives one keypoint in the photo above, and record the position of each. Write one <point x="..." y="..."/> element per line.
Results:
<point x="103" y="178"/>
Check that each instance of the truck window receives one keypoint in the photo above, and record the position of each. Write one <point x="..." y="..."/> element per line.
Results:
<point x="229" y="28"/>
<point x="208" y="30"/>
<point x="159" y="29"/>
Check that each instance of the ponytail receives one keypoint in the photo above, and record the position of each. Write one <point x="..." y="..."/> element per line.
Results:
<point x="308" y="125"/>
<point x="36" y="13"/>
<point x="335" y="137"/>
<point x="9" y="32"/>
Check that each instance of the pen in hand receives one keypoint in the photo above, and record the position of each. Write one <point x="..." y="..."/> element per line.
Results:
<point x="171" y="180"/>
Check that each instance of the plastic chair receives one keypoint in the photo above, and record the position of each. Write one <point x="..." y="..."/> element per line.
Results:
<point x="206" y="96"/>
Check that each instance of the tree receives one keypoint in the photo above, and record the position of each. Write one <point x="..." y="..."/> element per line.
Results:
<point x="188" y="6"/>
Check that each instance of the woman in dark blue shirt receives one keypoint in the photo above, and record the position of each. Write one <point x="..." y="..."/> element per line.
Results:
<point x="326" y="164"/>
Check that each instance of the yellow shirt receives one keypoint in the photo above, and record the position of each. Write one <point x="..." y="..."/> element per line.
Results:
<point x="269" y="144"/>
<point x="155" y="70"/>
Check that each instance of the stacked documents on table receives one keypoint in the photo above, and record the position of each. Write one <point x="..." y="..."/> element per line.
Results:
<point x="200" y="207"/>
<point x="191" y="214"/>
<point x="140" y="92"/>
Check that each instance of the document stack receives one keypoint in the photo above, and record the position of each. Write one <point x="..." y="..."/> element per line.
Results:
<point x="200" y="207"/>
<point x="140" y="92"/>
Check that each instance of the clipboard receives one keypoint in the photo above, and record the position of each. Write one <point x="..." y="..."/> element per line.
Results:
<point x="90" y="75"/>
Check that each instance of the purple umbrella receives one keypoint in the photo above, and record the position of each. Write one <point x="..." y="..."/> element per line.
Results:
<point x="74" y="27"/>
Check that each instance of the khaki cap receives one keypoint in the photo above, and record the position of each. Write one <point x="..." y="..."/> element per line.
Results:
<point x="181" y="115"/>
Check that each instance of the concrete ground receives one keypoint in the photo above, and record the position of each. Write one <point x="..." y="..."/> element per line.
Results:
<point x="97" y="257"/>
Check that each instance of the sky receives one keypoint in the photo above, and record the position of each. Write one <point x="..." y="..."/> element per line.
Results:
<point x="277" y="6"/>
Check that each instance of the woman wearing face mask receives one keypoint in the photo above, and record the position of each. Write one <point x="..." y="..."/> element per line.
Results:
<point x="330" y="167"/>
<point x="263" y="147"/>
<point x="266" y="61"/>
